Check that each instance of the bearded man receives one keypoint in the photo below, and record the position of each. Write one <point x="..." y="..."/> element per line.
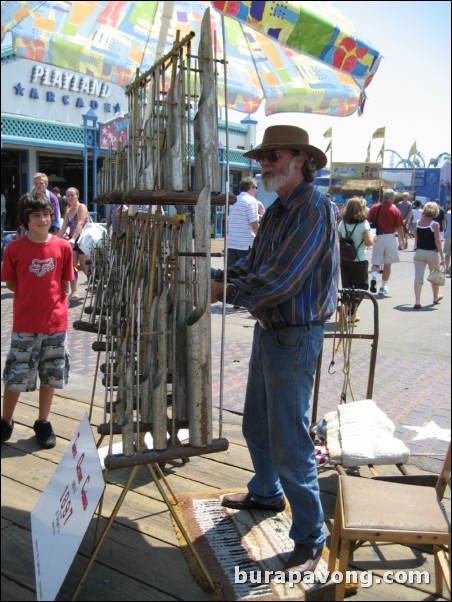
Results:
<point x="288" y="282"/>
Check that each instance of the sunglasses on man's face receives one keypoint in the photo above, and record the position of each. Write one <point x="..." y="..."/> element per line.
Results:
<point x="269" y="156"/>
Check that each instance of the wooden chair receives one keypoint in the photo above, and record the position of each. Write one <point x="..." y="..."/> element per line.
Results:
<point x="388" y="510"/>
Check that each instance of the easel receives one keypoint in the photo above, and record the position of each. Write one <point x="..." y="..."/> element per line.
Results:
<point x="151" y="460"/>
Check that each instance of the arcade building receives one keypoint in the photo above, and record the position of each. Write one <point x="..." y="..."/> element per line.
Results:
<point x="45" y="112"/>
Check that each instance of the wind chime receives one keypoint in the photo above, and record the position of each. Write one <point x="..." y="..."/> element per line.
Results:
<point x="151" y="282"/>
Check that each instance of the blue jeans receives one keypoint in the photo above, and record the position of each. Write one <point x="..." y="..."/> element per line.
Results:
<point x="276" y="425"/>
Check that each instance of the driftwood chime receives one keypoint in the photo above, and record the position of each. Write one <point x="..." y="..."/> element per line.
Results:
<point x="151" y="281"/>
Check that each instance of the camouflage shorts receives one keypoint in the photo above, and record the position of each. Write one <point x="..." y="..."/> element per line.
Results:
<point x="32" y="354"/>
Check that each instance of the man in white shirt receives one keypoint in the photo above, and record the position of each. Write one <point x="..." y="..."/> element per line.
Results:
<point x="243" y="221"/>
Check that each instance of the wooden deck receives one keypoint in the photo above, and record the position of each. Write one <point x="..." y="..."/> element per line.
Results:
<point x="140" y="559"/>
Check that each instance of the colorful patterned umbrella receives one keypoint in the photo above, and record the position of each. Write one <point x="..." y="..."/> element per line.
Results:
<point x="299" y="56"/>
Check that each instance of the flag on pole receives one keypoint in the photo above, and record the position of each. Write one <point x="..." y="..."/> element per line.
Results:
<point x="379" y="133"/>
<point x="413" y="149"/>
<point x="381" y="153"/>
<point x="328" y="133"/>
<point x="368" y="154"/>
<point x="328" y="148"/>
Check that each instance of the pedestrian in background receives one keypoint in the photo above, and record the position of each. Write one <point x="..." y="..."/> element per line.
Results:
<point x="37" y="267"/>
<point x="389" y="225"/>
<point x="447" y="239"/>
<point x="3" y="212"/>
<point x="440" y="219"/>
<point x="415" y="216"/>
<point x="116" y="219"/>
<point x="405" y="206"/>
<point x="40" y="183"/>
<point x="355" y="272"/>
<point x="429" y="252"/>
<point x="75" y="218"/>
<point x="243" y="221"/>
<point x="260" y="209"/>
<point x="61" y="199"/>
<point x="337" y="216"/>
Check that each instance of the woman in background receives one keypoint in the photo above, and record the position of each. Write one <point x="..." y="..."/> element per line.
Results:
<point x="428" y="252"/>
<point x="75" y="218"/>
<point x="355" y="272"/>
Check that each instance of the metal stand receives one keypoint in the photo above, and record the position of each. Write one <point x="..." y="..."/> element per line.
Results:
<point x="348" y="303"/>
<point x="156" y="474"/>
<point x="349" y="299"/>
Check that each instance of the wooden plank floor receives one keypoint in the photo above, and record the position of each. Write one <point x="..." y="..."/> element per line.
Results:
<point x="140" y="559"/>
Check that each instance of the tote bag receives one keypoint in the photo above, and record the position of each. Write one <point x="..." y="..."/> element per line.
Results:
<point x="437" y="276"/>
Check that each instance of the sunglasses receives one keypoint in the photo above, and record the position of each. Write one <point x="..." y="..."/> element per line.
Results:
<point x="269" y="156"/>
<point x="253" y="187"/>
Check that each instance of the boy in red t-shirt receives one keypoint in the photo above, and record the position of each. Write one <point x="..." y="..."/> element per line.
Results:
<point x="37" y="267"/>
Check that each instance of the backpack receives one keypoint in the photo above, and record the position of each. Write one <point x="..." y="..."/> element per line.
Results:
<point x="348" y="250"/>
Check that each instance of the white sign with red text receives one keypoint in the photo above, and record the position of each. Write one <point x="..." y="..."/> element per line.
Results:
<point x="63" y="512"/>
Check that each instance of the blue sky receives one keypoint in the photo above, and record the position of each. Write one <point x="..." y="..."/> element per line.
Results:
<point x="411" y="92"/>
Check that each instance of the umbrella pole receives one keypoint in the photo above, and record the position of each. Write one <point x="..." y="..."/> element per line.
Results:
<point x="225" y="167"/>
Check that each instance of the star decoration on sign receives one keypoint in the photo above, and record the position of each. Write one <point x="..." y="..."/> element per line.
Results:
<point x="429" y="431"/>
<point x="19" y="90"/>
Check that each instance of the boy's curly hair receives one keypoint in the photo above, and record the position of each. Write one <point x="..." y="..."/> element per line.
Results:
<point x="30" y="202"/>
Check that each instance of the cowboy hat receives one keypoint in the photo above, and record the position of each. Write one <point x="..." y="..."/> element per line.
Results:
<point x="288" y="137"/>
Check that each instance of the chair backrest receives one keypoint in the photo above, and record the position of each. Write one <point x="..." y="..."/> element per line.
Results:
<point x="444" y="476"/>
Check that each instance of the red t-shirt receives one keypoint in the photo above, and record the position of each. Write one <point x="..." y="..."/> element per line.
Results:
<point x="389" y="218"/>
<point x="39" y="270"/>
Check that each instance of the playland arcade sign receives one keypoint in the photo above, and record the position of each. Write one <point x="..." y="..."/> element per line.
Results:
<point x="44" y="92"/>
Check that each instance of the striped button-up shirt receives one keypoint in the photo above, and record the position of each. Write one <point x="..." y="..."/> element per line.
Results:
<point x="291" y="272"/>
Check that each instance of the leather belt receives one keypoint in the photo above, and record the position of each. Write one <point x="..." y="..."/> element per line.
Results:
<point x="266" y="325"/>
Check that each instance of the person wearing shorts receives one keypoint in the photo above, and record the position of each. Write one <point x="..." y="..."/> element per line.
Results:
<point x="428" y="252"/>
<point x="37" y="267"/>
<point x="389" y="224"/>
<point x="36" y="354"/>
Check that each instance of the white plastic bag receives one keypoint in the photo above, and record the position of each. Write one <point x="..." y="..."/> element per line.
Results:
<point x="91" y="235"/>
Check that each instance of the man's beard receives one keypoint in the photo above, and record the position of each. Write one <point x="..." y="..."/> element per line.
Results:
<point x="272" y="181"/>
